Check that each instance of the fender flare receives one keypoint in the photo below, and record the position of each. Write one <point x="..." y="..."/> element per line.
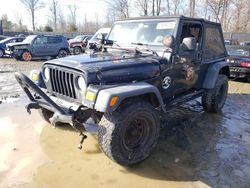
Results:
<point x="123" y="92"/>
<point x="213" y="73"/>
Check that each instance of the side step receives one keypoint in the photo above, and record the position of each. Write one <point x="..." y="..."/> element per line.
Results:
<point x="185" y="98"/>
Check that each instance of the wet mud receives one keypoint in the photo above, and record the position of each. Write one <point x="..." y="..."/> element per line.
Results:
<point x="195" y="149"/>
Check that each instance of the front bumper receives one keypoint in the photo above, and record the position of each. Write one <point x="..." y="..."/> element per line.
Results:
<point x="8" y="52"/>
<point x="63" y="112"/>
<point x="239" y="72"/>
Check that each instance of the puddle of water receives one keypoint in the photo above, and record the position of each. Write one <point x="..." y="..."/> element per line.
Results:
<point x="195" y="149"/>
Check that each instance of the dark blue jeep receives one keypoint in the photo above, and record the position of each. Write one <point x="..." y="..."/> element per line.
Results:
<point x="39" y="46"/>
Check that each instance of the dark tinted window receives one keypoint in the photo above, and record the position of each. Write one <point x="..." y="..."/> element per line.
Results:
<point x="19" y="40"/>
<point x="53" y="40"/>
<point x="214" y="43"/>
<point x="41" y="40"/>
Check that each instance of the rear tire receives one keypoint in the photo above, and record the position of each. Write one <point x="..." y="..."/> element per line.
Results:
<point x="129" y="134"/>
<point x="214" y="99"/>
<point x="62" y="53"/>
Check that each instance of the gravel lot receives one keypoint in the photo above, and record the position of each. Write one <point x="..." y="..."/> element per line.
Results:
<point x="196" y="149"/>
<point x="8" y="66"/>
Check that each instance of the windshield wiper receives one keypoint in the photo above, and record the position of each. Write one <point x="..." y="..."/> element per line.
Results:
<point x="139" y="43"/>
<point x="146" y="49"/>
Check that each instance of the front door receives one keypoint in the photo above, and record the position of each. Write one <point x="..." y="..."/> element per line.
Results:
<point x="40" y="46"/>
<point x="187" y="62"/>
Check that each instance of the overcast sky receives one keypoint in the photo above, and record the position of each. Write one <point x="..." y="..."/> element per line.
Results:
<point x="15" y="9"/>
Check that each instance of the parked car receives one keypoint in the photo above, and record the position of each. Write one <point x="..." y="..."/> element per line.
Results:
<point x="239" y="61"/>
<point x="3" y="37"/>
<point x="78" y="44"/>
<point x="245" y="43"/>
<point x="39" y="46"/>
<point x="6" y="41"/>
<point x="146" y="67"/>
<point x="93" y="40"/>
<point x="231" y="42"/>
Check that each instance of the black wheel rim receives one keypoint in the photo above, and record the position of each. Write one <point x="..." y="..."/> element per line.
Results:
<point x="62" y="53"/>
<point x="77" y="51"/>
<point x="136" y="133"/>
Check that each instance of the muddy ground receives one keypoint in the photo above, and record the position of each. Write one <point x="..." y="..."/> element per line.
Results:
<point x="195" y="149"/>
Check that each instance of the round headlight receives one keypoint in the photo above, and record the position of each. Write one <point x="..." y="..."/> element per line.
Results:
<point x="81" y="83"/>
<point x="46" y="73"/>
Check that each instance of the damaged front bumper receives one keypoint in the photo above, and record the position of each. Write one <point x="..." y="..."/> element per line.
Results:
<point x="62" y="113"/>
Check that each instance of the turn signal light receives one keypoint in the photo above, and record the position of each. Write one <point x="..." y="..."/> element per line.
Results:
<point x="245" y="64"/>
<point x="113" y="101"/>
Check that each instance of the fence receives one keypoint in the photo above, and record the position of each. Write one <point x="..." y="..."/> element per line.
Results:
<point x="67" y="35"/>
<point x="238" y="36"/>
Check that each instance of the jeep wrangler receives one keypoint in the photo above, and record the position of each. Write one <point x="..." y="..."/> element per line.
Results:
<point x="39" y="46"/>
<point x="144" y="67"/>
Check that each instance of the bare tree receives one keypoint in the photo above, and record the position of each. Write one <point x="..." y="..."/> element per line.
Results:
<point x="168" y="7"/>
<point x="192" y="8"/>
<point x="72" y="14"/>
<point x="61" y="21"/>
<point x="246" y="26"/>
<point x="143" y="6"/>
<point x="215" y="7"/>
<point x="54" y="6"/>
<point x="32" y="6"/>
<point x="158" y="7"/>
<point x="72" y="18"/>
<point x="176" y="8"/>
<point x="119" y="7"/>
<point x="153" y="7"/>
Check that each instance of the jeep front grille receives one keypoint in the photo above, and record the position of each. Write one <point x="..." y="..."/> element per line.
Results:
<point x="62" y="82"/>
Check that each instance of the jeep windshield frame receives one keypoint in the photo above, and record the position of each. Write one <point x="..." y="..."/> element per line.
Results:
<point x="150" y="32"/>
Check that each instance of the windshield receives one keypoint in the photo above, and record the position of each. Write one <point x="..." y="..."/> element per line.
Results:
<point x="238" y="51"/>
<point x="145" y="32"/>
<point x="29" y="39"/>
<point x="79" y="38"/>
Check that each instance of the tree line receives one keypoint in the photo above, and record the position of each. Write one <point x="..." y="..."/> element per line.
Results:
<point x="234" y="15"/>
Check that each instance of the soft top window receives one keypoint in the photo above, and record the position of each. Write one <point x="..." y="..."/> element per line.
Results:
<point x="214" y="43"/>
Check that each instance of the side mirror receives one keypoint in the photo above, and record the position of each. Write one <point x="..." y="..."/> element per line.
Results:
<point x="100" y="38"/>
<point x="189" y="44"/>
<point x="168" y="41"/>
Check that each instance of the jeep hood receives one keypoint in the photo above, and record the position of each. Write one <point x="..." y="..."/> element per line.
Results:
<point x="112" y="67"/>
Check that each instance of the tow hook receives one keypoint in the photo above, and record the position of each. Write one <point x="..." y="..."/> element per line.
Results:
<point x="83" y="137"/>
<point x="33" y="105"/>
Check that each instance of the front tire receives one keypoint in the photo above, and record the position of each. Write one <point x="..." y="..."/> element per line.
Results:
<point x="214" y="99"/>
<point x="129" y="134"/>
<point x="26" y="56"/>
<point x="1" y="53"/>
<point x="77" y="50"/>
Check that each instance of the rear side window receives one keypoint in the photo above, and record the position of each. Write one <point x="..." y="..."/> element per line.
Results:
<point x="53" y="40"/>
<point x="213" y="44"/>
